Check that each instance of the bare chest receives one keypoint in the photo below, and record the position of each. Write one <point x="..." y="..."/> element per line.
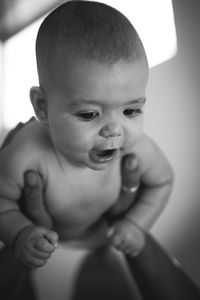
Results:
<point x="80" y="200"/>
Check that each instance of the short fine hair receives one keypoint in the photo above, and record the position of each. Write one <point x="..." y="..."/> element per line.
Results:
<point x="83" y="30"/>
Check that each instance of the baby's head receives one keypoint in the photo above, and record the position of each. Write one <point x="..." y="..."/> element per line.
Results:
<point x="84" y="30"/>
<point x="87" y="52"/>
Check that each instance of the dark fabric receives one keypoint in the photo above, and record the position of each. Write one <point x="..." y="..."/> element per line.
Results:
<point x="159" y="276"/>
<point x="155" y="276"/>
<point x="12" y="132"/>
<point x="15" y="283"/>
<point x="102" y="277"/>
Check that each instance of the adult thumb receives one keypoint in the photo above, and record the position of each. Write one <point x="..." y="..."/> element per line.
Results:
<point x="130" y="172"/>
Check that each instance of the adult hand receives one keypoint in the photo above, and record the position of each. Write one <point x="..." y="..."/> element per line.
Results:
<point x="130" y="182"/>
<point x="34" y="200"/>
<point x="33" y="194"/>
<point x="123" y="234"/>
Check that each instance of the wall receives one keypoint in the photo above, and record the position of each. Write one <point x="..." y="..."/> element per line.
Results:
<point x="172" y="118"/>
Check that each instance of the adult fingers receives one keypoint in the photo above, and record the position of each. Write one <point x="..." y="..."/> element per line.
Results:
<point x="130" y="180"/>
<point x="130" y="172"/>
<point x="34" y="202"/>
<point x="33" y="186"/>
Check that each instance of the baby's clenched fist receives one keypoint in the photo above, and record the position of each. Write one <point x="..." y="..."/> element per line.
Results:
<point x="34" y="245"/>
<point x="126" y="237"/>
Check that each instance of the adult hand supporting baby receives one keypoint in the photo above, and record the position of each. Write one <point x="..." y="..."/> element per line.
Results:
<point x="145" y="267"/>
<point x="120" y="227"/>
<point x="33" y="191"/>
<point x="33" y="244"/>
<point x="130" y="183"/>
<point x="34" y="202"/>
<point x="123" y="234"/>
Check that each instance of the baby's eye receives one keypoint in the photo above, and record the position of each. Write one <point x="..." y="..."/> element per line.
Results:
<point x="132" y="112"/>
<point x="87" y="116"/>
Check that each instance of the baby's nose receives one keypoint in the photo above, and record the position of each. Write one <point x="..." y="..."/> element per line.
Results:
<point x="111" y="130"/>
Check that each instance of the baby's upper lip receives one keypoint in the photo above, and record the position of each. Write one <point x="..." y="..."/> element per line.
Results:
<point x="109" y="146"/>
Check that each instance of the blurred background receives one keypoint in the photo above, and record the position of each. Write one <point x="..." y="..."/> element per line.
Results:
<point x="170" y="33"/>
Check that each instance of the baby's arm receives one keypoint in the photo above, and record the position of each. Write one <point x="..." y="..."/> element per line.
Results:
<point x="32" y="244"/>
<point x="153" y="194"/>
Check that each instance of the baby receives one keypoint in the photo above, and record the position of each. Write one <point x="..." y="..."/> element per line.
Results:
<point x="93" y="74"/>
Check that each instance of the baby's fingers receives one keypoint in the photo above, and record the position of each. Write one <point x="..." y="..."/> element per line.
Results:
<point x="43" y="245"/>
<point x="115" y="238"/>
<point x="35" y="262"/>
<point x="52" y="237"/>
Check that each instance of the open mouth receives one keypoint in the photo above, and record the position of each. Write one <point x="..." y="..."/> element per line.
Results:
<point x="102" y="156"/>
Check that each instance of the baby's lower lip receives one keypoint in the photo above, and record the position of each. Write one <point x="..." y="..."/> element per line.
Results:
<point x="103" y="156"/>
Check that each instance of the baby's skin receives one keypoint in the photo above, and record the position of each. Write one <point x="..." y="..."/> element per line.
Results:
<point x="84" y="129"/>
<point x="34" y="243"/>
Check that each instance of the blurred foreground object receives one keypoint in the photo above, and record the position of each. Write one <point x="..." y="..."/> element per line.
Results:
<point x="159" y="276"/>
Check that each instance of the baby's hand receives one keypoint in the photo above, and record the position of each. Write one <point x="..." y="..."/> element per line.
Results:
<point x="35" y="245"/>
<point x="126" y="237"/>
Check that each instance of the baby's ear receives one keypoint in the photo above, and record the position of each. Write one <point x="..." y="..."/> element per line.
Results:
<point x="40" y="105"/>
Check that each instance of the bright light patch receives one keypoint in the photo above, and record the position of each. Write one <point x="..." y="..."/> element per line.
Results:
<point x="20" y="73"/>
<point x="153" y="19"/>
<point x="154" y="22"/>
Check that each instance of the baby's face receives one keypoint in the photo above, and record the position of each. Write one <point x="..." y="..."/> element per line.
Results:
<point x="96" y="111"/>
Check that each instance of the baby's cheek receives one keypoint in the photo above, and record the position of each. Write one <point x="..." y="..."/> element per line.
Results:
<point x="133" y="136"/>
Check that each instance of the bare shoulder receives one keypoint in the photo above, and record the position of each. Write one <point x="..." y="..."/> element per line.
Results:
<point x="21" y="154"/>
<point x="154" y="165"/>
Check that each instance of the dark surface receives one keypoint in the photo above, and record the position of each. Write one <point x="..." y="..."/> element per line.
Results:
<point x="159" y="276"/>
<point x="15" y="283"/>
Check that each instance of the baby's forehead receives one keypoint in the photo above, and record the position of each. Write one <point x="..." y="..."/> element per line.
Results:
<point x="62" y="61"/>
<point x="67" y="74"/>
<point x="100" y="84"/>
